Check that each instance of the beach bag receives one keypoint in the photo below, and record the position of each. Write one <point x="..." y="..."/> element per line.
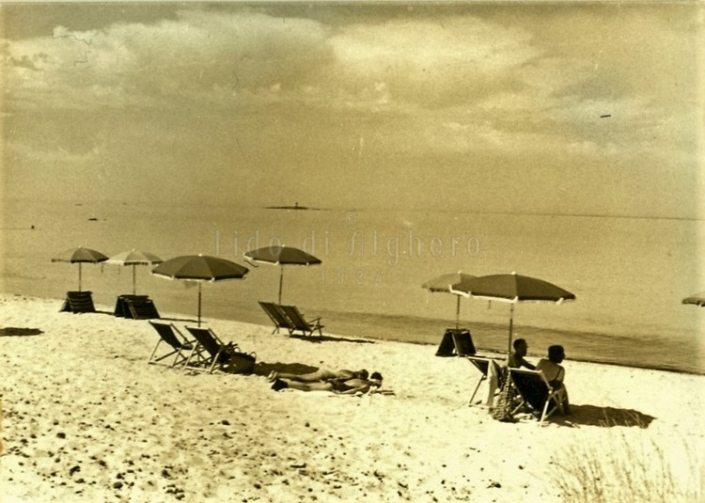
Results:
<point x="240" y="363"/>
<point x="502" y="411"/>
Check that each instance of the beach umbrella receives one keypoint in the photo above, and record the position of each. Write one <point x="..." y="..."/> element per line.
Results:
<point x="80" y="256"/>
<point x="281" y="256"/>
<point x="456" y="283"/>
<point x="514" y="288"/>
<point x="134" y="258"/>
<point x="199" y="268"/>
<point x="697" y="299"/>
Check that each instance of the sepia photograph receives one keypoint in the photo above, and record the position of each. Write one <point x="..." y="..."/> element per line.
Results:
<point x="340" y="251"/>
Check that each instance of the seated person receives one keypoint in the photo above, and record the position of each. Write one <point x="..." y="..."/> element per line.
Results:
<point x="321" y="375"/>
<point x="554" y="372"/>
<point x="338" y="386"/>
<point x="514" y="360"/>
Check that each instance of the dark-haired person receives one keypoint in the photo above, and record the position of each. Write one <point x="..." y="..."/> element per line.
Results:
<point x="514" y="360"/>
<point x="554" y="372"/>
<point x="339" y="386"/>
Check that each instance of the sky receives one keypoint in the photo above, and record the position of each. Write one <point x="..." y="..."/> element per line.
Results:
<point x="557" y="108"/>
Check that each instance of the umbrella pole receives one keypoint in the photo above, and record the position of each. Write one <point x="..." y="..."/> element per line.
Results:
<point x="511" y="327"/>
<point x="134" y="276"/>
<point x="79" y="276"/>
<point x="457" y="313"/>
<point x="199" y="303"/>
<point x="281" y="280"/>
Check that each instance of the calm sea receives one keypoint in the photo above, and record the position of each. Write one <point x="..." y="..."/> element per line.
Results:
<point x="629" y="274"/>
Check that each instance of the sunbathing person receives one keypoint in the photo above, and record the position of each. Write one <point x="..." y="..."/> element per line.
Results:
<point x="321" y="375"/>
<point x="338" y="386"/>
<point x="554" y="371"/>
<point x="514" y="360"/>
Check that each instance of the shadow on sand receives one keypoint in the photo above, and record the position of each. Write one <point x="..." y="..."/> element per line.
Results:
<point x="15" y="331"/>
<point x="329" y="338"/>
<point x="189" y="321"/>
<point x="606" y="417"/>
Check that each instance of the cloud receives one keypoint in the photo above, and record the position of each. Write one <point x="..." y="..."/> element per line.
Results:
<point x="142" y="64"/>
<point x="431" y="62"/>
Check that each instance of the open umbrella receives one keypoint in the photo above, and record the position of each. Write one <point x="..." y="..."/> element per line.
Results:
<point x="697" y="299"/>
<point x="200" y="268"/>
<point x="134" y="258"/>
<point x="456" y="283"/>
<point x="281" y="256"/>
<point x="80" y="256"/>
<point x="514" y="288"/>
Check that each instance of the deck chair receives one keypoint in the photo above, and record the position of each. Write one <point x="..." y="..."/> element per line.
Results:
<point x="277" y="316"/>
<point x="537" y="392"/>
<point x="78" y="302"/>
<point x="456" y="342"/>
<point x="482" y="364"/>
<point x="300" y="323"/>
<point x="138" y="307"/>
<point x="142" y="309"/>
<point x="179" y="346"/>
<point x="210" y="352"/>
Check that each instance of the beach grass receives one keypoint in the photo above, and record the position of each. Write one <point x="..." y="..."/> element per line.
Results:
<point x="634" y="469"/>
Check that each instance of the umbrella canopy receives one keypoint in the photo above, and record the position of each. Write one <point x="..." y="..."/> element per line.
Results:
<point x="134" y="258"/>
<point x="697" y="299"/>
<point x="281" y="256"/>
<point x="200" y="268"/>
<point x="515" y="288"/>
<point x="79" y="256"/>
<point x="456" y="283"/>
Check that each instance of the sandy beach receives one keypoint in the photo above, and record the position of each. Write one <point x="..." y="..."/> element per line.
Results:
<point x="86" y="419"/>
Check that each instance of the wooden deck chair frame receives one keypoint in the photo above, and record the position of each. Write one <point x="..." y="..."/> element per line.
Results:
<point x="181" y="347"/>
<point x="277" y="316"/>
<point x="554" y="399"/>
<point x="300" y="323"/>
<point x="209" y="350"/>
<point x="482" y="364"/>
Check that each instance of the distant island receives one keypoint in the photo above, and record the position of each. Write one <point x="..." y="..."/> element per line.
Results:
<point x="295" y="207"/>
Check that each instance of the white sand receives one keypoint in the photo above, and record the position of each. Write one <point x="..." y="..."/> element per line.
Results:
<point x="86" y="419"/>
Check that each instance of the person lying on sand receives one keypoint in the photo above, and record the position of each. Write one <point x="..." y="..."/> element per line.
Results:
<point x="339" y="386"/>
<point x="321" y="375"/>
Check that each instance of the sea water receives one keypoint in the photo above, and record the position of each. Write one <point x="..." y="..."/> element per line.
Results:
<point x="629" y="274"/>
